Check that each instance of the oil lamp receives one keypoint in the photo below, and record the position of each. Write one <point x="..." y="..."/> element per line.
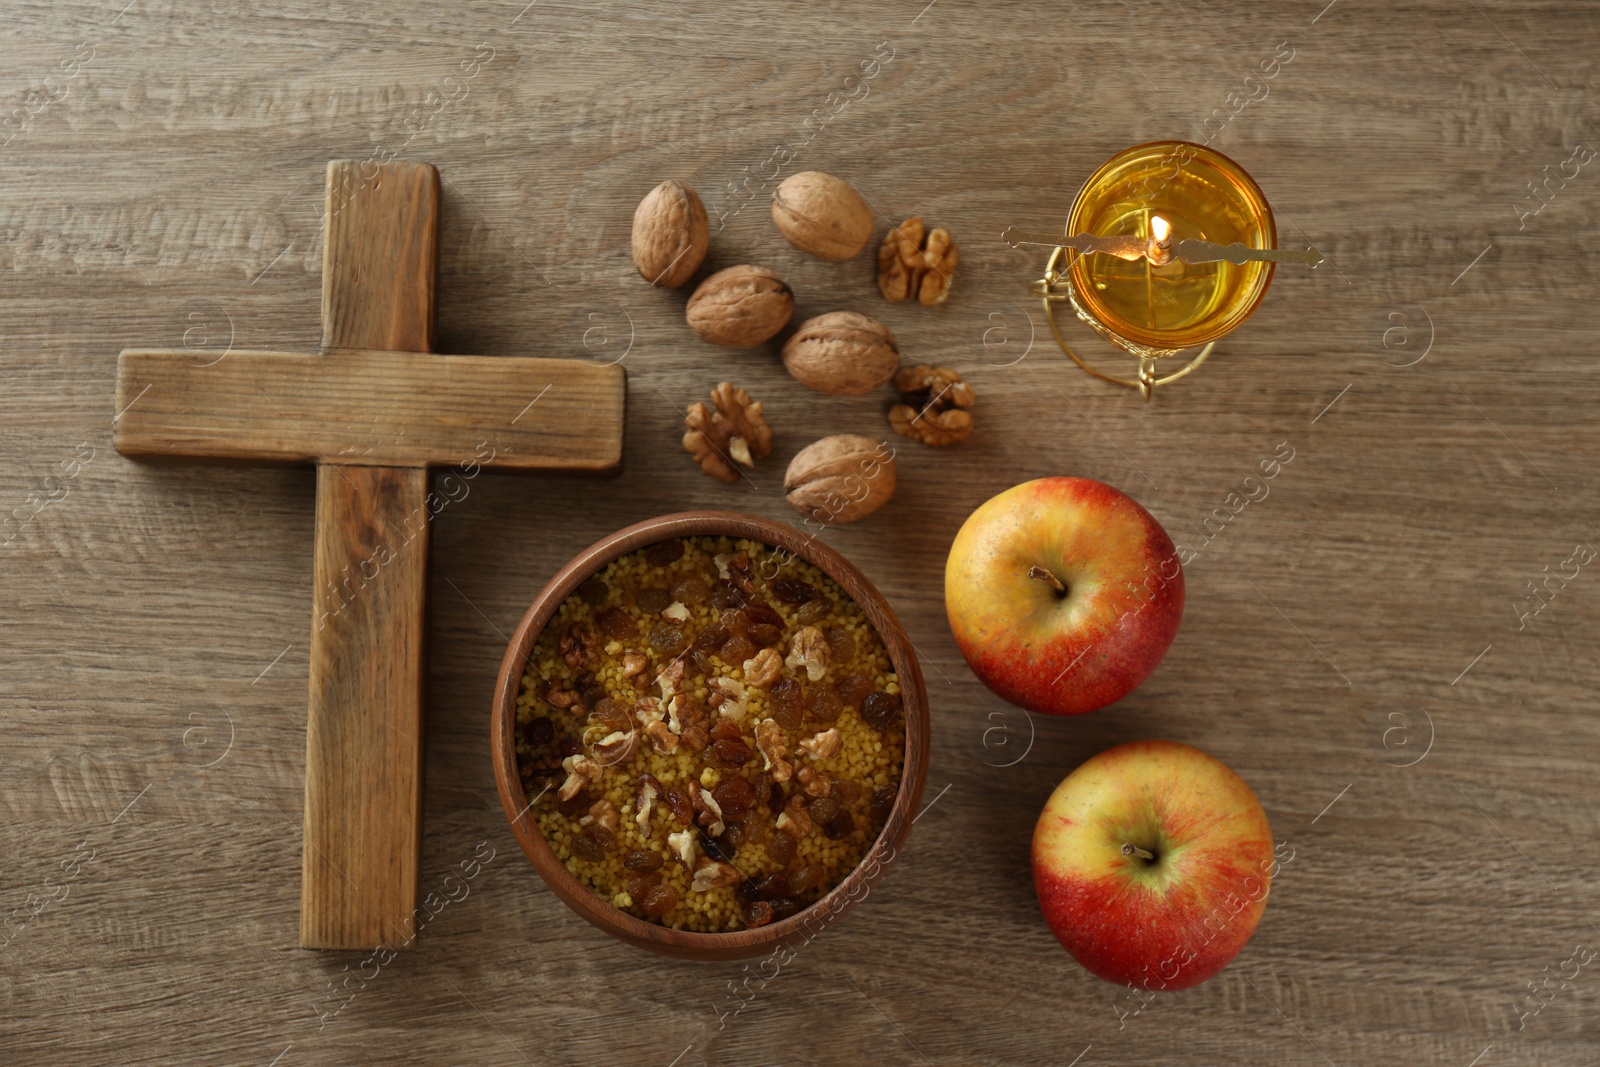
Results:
<point x="1169" y="246"/>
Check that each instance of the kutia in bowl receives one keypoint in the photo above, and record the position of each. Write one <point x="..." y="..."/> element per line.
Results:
<point x="710" y="734"/>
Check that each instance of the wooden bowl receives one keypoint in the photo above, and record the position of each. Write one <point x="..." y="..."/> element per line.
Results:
<point x="803" y="925"/>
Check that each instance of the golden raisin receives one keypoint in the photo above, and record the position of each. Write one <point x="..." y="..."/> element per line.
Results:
<point x="794" y="591"/>
<point x="610" y="713"/>
<point x="682" y="807"/>
<point x="664" y="553"/>
<point x="880" y="710"/>
<point x="654" y="600"/>
<point x="594" y="843"/>
<point x="660" y="900"/>
<point x="643" y="860"/>
<point x="815" y="610"/>
<point x="691" y="591"/>
<point x="642" y="883"/>
<point x="711" y="638"/>
<point x="737" y="650"/>
<point x="765" y="635"/>
<point x="731" y="753"/>
<point x="806" y="878"/>
<point x="614" y="622"/>
<point x="783" y="847"/>
<point x="788" y="703"/>
<point x="735" y="797"/>
<point x="760" y="614"/>
<point x="667" y="639"/>
<point x="824" y="809"/>
<point x="853" y="689"/>
<point x="823" y="704"/>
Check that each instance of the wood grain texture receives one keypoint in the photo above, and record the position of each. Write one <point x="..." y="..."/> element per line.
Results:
<point x="380" y="252"/>
<point x="174" y="198"/>
<point x="364" y="732"/>
<point x="364" y="716"/>
<point x="387" y="409"/>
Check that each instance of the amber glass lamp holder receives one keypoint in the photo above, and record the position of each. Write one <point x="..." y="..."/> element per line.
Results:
<point x="1156" y="306"/>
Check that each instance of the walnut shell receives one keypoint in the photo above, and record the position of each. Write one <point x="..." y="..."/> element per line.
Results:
<point x="740" y="306"/>
<point x="670" y="235"/>
<point x="840" y="478"/>
<point x="842" y="353"/>
<point x="822" y="215"/>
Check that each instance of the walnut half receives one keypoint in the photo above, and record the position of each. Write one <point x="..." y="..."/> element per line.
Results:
<point x="825" y="745"/>
<point x="712" y="874"/>
<point x="934" y="405"/>
<point x="708" y="813"/>
<point x="581" y="770"/>
<point x="662" y="739"/>
<point x="918" y="263"/>
<point x="579" y="645"/>
<point x="732" y="431"/>
<point x="769" y="739"/>
<point x="682" y="846"/>
<point x="795" y="818"/>
<point x="728" y="697"/>
<point x="646" y="790"/>
<point x="602" y="812"/>
<point x="764" y="668"/>
<point x="616" y="748"/>
<point x="808" y="649"/>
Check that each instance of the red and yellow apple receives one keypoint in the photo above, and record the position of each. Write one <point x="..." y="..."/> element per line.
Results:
<point x="1152" y="862"/>
<point x="1063" y="594"/>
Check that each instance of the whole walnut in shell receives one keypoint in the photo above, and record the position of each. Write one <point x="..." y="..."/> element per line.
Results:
<point x="741" y="306"/>
<point x="822" y="215"/>
<point x="670" y="235"/>
<point x="842" y="353"/>
<point x="840" y="478"/>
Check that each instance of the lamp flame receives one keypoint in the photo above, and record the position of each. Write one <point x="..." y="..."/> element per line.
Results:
<point x="1158" y="248"/>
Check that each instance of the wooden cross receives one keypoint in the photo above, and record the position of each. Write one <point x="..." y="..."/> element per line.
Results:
<point x="373" y="413"/>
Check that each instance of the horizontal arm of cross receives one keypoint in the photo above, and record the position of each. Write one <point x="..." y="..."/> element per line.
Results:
<point x="389" y="409"/>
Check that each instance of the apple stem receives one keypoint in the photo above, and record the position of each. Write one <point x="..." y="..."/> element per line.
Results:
<point x="1049" y="579"/>
<point x="1135" y="850"/>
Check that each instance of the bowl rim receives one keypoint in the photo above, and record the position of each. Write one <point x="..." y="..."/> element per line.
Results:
<point x="851" y="889"/>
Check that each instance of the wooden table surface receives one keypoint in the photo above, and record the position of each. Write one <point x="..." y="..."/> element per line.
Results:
<point x="1361" y="644"/>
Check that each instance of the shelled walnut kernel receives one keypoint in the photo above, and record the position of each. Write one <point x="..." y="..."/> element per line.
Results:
<point x="733" y="430"/>
<point x="917" y="263"/>
<point x="934" y="405"/>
